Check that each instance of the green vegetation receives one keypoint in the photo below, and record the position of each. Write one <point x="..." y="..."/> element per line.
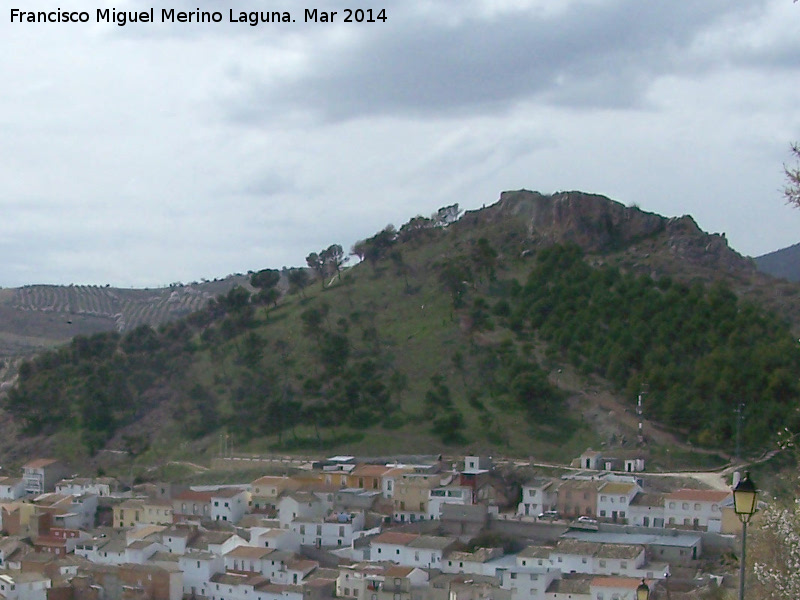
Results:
<point x="700" y="351"/>
<point x="431" y="344"/>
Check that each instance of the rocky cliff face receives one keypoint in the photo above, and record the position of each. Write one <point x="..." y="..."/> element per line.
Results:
<point x="600" y="225"/>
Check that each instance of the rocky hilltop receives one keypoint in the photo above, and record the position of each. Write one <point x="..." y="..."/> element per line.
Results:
<point x="600" y="225"/>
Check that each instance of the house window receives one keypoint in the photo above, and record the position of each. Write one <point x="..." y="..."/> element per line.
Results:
<point x="602" y="513"/>
<point x="602" y="563"/>
<point x="672" y="505"/>
<point x="623" y="564"/>
<point x="697" y="506"/>
<point x="685" y="506"/>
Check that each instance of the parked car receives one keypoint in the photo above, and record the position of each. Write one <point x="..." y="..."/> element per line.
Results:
<point x="587" y="520"/>
<point x="550" y="515"/>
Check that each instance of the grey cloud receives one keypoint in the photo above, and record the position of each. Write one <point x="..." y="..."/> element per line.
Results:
<point x="600" y="55"/>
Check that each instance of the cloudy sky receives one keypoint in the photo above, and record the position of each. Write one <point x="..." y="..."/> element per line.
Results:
<point x="153" y="153"/>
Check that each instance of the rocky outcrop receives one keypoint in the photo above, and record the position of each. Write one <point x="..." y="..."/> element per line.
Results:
<point x="593" y="222"/>
<point x="599" y="225"/>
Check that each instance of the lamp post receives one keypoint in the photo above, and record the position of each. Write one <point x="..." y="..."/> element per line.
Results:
<point x="744" y="505"/>
<point x="642" y="592"/>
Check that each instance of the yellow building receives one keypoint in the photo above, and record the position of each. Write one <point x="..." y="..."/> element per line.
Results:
<point x="265" y="491"/>
<point x="411" y="494"/>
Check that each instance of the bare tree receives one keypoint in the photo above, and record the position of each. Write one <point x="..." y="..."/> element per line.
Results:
<point x="792" y="190"/>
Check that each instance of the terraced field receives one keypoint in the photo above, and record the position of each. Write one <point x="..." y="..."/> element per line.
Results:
<point x="41" y="316"/>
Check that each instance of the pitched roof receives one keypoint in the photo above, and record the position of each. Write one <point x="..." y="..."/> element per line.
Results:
<point x="535" y="552"/>
<point x="395" y="537"/>
<point x="614" y="487"/>
<point x="299" y="564"/>
<point x="251" y="552"/>
<point x="644" y="499"/>
<point x="39" y="463"/>
<point x="271" y="479"/>
<point x="226" y="493"/>
<point x="431" y="542"/>
<point x="616" y="582"/>
<point x="398" y="571"/>
<point x="691" y="495"/>
<point x="194" y="496"/>
<point x="365" y="470"/>
<point x="628" y="551"/>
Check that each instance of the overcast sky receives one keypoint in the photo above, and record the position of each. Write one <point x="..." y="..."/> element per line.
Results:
<point x="153" y="153"/>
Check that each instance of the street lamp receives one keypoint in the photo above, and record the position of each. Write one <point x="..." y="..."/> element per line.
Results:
<point x="642" y="592"/>
<point x="744" y="505"/>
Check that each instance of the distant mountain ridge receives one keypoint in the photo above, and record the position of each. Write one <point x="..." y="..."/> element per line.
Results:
<point x="784" y="263"/>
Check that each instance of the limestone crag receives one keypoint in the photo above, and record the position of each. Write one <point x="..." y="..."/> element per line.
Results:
<point x="599" y="225"/>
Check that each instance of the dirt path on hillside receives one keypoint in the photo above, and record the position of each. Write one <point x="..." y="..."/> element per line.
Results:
<point x="614" y="420"/>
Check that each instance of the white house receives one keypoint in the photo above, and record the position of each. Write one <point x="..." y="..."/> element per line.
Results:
<point x="229" y="504"/>
<point x="457" y="494"/>
<point x="389" y="480"/>
<point x="24" y="586"/>
<point x="299" y="505"/>
<point x="695" y="509"/>
<point x="11" y="488"/>
<point x="573" y="556"/>
<point x="335" y="530"/>
<point x="140" y="551"/>
<point x="411" y="550"/>
<point x="618" y="588"/>
<point x="198" y="569"/>
<point x="41" y="475"/>
<point x="102" y="551"/>
<point x="534" y="556"/>
<point x="484" y="561"/>
<point x="249" y="559"/>
<point x="277" y="539"/>
<point x="538" y="496"/>
<point x="646" y="510"/>
<point x="528" y="583"/>
<point x="294" y="571"/>
<point x="81" y="485"/>
<point x="613" y="500"/>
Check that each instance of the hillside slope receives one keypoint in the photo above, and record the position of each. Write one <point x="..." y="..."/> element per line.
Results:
<point x="492" y="333"/>
<point x="784" y="263"/>
<point x="36" y="317"/>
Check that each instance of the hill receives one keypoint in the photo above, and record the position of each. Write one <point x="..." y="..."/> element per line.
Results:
<point x="36" y="317"/>
<point x="784" y="263"/>
<point x="527" y="327"/>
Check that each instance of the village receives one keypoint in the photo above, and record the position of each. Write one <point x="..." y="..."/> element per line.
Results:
<point x="414" y="528"/>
